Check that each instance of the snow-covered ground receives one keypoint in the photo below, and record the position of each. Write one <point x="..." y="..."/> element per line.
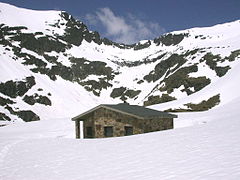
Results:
<point x="208" y="149"/>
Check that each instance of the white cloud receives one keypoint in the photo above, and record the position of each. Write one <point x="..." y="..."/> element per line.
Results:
<point x="124" y="29"/>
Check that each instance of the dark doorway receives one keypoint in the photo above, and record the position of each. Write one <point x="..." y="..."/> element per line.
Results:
<point x="89" y="132"/>
<point x="108" y="131"/>
<point x="128" y="130"/>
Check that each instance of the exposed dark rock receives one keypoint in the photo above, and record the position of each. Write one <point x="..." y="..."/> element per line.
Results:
<point x="202" y="106"/>
<point x="27" y="116"/>
<point x="132" y="93"/>
<point x="233" y="55"/>
<point x="157" y="99"/>
<point x="212" y="60"/>
<point x="31" y="60"/>
<point x="140" y="62"/>
<point x="170" y="39"/>
<point x="191" y="52"/>
<point x="51" y="59"/>
<point x="41" y="44"/>
<point x="164" y="66"/>
<point x="124" y="93"/>
<point x="205" y="104"/>
<point x="5" y="101"/>
<point x="82" y="68"/>
<point x="140" y="46"/>
<point x="76" y="31"/>
<point x="96" y="86"/>
<point x="17" y="88"/>
<point x="4" y="117"/>
<point x="221" y="71"/>
<point x="180" y="77"/>
<point x="37" y="99"/>
<point x="119" y="45"/>
<point x="117" y="92"/>
<point x="140" y="81"/>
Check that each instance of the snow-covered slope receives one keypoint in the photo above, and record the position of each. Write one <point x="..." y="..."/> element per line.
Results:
<point x="45" y="150"/>
<point x="226" y="87"/>
<point x="54" y="67"/>
<point x="14" y="16"/>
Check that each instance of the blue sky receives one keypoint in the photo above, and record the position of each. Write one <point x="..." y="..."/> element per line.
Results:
<point x="129" y="21"/>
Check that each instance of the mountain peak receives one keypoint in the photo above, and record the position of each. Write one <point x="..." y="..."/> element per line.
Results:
<point x="54" y="66"/>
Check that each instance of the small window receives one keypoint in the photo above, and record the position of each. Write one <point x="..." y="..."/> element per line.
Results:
<point x="108" y="131"/>
<point x="89" y="132"/>
<point x="128" y="130"/>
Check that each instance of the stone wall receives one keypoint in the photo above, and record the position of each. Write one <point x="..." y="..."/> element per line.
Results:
<point x="103" y="117"/>
<point x="89" y="122"/>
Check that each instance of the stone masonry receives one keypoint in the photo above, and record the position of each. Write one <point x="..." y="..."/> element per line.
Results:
<point x="104" y="117"/>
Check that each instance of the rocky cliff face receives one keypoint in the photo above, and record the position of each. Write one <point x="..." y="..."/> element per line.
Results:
<point x="55" y="67"/>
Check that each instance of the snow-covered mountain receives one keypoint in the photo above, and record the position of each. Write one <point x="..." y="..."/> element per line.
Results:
<point x="52" y="66"/>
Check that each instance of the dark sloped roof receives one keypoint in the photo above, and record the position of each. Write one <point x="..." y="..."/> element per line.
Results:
<point x="134" y="110"/>
<point x="140" y="111"/>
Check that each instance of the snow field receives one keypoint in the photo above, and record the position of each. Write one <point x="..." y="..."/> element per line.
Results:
<point x="208" y="150"/>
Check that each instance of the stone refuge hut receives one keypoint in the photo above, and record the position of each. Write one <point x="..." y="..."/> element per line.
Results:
<point x="121" y="120"/>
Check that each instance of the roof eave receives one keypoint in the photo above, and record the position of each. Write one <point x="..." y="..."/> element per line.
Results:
<point x="157" y="117"/>
<point x="116" y="110"/>
<point x="85" y="113"/>
<point x="99" y="106"/>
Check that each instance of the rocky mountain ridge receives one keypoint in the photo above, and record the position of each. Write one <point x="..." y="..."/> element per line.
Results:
<point x="55" y="67"/>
